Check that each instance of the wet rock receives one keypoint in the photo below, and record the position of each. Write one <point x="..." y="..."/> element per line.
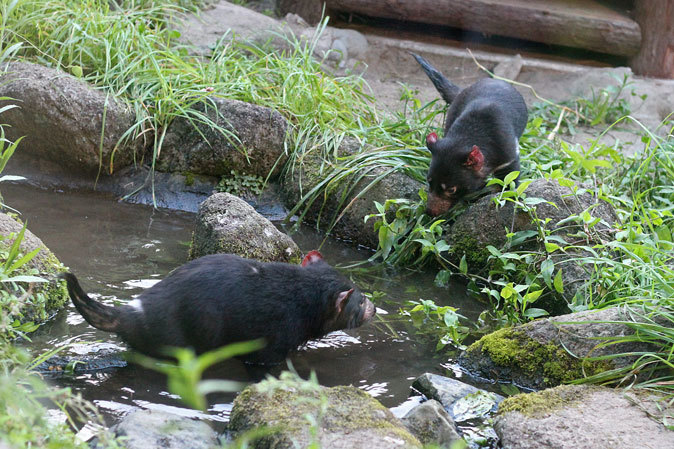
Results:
<point x="584" y="416"/>
<point x="82" y="364"/>
<point x="341" y="202"/>
<point x="45" y="297"/>
<point x="483" y="224"/>
<point x="550" y="351"/>
<point x="431" y="424"/>
<point x="227" y="224"/>
<point x="454" y="395"/>
<point x="345" y="417"/>
<point x="253" y="142"/>
<point x="62" y="117"/>
<point x="148" y="429"/>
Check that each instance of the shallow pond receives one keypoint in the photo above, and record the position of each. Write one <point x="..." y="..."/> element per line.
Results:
<point x="117" y="249"/>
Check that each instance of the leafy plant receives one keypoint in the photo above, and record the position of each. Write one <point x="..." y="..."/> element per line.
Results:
<point x="240" y="184"/>
<point x="443" y="322"/>
<point x="184" y="376"/>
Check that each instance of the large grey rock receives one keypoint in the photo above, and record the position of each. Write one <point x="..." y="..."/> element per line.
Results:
<point x="62" y="118"/>
<point x="569" y="417"/>
<point x="224" y="20"/>
<point x="345" y="417"/>
<point x="431" y="424"/>
<point x="227" y="224"/>
<point x="252" y="144"/>
<point x="550" y="351"/>
<point x="45" y="298"/>
<point x="342" y="201"/>
<point x="147" y="429"/>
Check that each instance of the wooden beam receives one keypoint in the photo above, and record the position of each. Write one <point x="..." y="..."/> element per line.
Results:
<point x="575" y="23"/>
<point x="656" y="57"/>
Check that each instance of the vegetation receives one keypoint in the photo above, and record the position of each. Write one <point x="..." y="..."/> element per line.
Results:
<point x="23" y="393"/>
<point x="130" y="50"/>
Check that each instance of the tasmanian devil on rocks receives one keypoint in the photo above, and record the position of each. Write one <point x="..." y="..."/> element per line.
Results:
<point x="482" y="130"/>
<point x="220" y="299"/>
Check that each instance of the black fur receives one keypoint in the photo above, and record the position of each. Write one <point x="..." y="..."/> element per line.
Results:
<point x="481" y="133"/>
<point x="220" y="299"/>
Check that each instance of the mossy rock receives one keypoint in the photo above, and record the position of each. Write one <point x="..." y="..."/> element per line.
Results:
<point x="575" y="416"/>
<point x="45" y="298"/>
<point x="227" y="224"/>
<point x="552" y="351"/>
<point x="335" y="418"/>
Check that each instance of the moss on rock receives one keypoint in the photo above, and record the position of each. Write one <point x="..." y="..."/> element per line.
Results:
<point x="299" y="414"/>
<point x="44" y="298"/>
<point x="543" y="402"/>
<point x="517" y="356"/>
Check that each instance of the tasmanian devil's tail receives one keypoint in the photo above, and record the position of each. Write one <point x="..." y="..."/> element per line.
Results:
<point x="447" y="89"/>
<point x="98" y="315"/>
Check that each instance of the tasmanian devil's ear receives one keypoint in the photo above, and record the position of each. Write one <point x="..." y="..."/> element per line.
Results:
<point x="311" y="257"/>
<point x="431" y="139"/>
<point x="342" y="299"/>
<point x="475" y="159"/>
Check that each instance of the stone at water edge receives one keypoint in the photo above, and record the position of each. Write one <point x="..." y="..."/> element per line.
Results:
<point x="149" y="429"/>
<point x="254" y="142"/>
<point x="580" y="416"/>
<point x="539" y="354"/>
<point x="227" y="224"/>
<point x="431" y="423"/>
<point x="62" y="118"/>
<point x="48" y="297"/>
<point x="446" y="390"/>
<point x="347" y="418"/>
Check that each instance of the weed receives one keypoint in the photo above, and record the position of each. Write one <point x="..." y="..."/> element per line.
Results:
<point x="241" y="184"/>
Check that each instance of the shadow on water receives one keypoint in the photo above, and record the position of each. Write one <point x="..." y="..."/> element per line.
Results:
<point x="117" y="249"/>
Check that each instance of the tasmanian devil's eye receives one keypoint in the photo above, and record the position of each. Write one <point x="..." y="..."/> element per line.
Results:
<point x="451" y="190"/>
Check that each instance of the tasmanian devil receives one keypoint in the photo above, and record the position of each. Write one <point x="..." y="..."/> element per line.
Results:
<point x="481" y="137"/>
<point x="220" y="299"/>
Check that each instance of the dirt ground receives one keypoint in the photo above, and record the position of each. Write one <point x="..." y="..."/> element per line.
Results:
<point x="384" y="60"/>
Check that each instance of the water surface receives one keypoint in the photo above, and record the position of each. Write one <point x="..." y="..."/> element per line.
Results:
<point x="117" y="249"/>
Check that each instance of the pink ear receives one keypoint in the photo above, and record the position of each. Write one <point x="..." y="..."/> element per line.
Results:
<point x="475" y="158"/>
<point x="311" y="257"/>
<point x="342" y="299"/>
<point x="431" y="139"/>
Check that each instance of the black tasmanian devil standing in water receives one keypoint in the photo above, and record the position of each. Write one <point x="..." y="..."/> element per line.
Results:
<point x="220" y="299"/>
<point x="482" y="130"/>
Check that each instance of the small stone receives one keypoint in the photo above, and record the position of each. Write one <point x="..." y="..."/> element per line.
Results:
<point x="431" y="423"/>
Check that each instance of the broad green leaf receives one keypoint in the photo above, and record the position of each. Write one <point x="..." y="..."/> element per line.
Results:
<point x="558" y="283"/>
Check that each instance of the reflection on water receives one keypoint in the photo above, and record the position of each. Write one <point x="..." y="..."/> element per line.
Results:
<point x="118" y="249"/>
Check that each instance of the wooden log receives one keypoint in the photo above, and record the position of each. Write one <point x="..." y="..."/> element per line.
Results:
<point x="656" y="57"/>
<point x="575" y="23"/>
